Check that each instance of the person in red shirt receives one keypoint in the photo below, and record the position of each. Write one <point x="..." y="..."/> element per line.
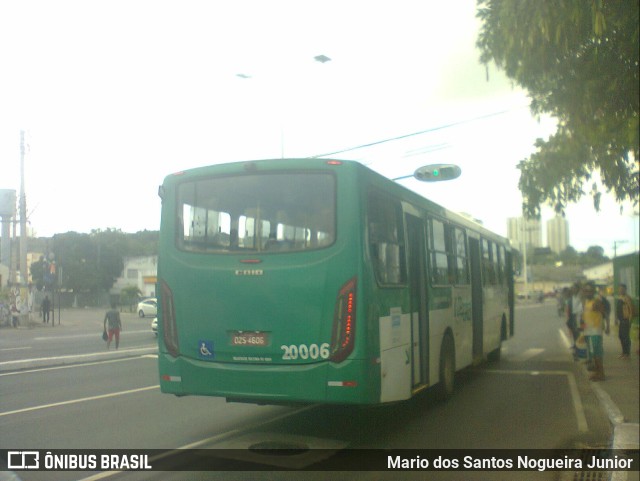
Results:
<point x="115" y="325"/>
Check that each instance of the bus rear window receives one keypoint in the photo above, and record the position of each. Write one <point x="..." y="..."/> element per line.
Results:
<point x="281" y="212"/>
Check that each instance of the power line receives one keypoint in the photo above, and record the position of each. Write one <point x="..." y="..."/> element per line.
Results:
<point x="433" y="129"/>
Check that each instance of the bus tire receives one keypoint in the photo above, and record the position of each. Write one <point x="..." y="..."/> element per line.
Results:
<point x="494" y="356"/>
<point x="446" y="384"/>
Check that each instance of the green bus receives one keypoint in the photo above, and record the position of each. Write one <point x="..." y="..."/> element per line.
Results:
<point x="320" y="281"/>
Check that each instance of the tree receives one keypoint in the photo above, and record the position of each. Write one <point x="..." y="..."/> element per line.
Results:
<point x="578" y="60"/>
<point x="89" y="262"/>
<point x="569" y="256"/>
<point x="594" y="256"/>
<point x="129" y="295"/>
<point x="92" y="262"/>
<point x="37" y="272"/>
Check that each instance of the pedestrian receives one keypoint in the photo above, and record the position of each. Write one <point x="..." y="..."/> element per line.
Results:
<point x="607" y="310"/>
<point x="46" y="308"/>
<point x="593" y="316"/>
<point x="574" y="314"/>
<point x="115" y="325"/>
<point x="625" y="312"/>
<point x="15" y="316"/>
<point x="562" y="297"/>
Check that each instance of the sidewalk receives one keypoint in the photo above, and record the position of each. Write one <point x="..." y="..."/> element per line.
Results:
<point x="70" y="317"/>
<point x="618" y="394"/>
<point x="78" y="322"/>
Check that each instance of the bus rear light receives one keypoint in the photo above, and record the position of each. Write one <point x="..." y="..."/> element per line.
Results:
<point x="169" y="327"/>
<point x="334" y="162"/>
<point x="166" y="377"/>
<point x="344" y="322"/>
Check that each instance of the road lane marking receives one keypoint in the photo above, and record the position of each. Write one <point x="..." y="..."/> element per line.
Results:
<point x="80" y="400"/>
<point x="81" y="336"/>
<point x="565" y="339"/>
<point x="76" y="356"/>
<point x="71" y="366"/>
<point x="15" y="348"/>
<point x="212" y="439"/>
<point x="578" y="408"/>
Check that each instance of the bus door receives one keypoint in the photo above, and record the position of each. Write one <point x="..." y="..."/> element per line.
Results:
<point x="476" y="296"/>
<point x="416" y="240"/>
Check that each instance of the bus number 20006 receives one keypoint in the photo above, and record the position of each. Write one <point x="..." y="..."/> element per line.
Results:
<point x="292" y="352"/>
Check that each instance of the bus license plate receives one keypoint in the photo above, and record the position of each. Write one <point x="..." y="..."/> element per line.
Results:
<point x="249" y="338"/>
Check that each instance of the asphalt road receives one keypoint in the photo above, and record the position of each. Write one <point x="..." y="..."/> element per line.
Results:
<point x="62" y="390"/>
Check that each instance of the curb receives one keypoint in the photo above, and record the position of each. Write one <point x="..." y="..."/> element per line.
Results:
<point x="22" y="365"/>
<point x="625" y="435"/>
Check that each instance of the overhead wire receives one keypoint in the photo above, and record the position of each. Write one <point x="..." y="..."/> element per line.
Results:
<point x="421" y="132"/>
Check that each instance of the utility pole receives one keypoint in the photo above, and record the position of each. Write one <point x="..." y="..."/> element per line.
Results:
<point x="23" y="217"/>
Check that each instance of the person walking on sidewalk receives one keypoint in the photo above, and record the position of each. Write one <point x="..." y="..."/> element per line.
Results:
<point x="46" y="309"/>
<point x="625" y="312"/>
<point x="115" y="325"/>
<point x="607" y="310"/>
<point x="593" y="312"/>
<point x="574" y="315"/>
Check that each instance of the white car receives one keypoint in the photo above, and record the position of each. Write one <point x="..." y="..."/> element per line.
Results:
<point x="148" y="307"/>
<point x="154" y="326"/>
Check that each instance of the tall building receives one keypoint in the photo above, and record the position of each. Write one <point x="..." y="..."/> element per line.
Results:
<point x="520" y="229"/>
<point x="558" y="234"/>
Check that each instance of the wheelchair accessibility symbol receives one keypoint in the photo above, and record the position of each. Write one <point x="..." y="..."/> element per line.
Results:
<point x="205" y="349"/>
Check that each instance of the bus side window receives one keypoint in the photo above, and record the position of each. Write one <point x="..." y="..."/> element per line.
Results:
<point x="488" y="269"/>
<point x="500" y="264"/>
<point x="460" y="252"/>
<point x="385" y="239"/>
<point x="440" y="253"/>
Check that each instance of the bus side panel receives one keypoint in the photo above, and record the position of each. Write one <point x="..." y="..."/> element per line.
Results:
<point x="395" y="356"/>
<point x="463" y="326"/>
<point x="496" y="306"/>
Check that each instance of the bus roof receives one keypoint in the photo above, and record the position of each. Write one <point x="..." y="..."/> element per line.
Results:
<point x="317" y="163"/>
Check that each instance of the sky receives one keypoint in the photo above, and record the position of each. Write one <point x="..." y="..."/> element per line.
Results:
<point x="113" y="96"/>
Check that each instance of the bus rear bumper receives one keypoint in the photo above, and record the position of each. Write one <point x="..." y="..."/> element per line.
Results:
<point x="323" y="382"/>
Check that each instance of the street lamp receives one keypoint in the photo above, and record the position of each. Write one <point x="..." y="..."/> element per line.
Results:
<point x="318" y="58"/>
<point x="615" y="246"/>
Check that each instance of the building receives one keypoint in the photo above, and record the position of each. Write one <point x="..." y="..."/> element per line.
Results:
<point x="602" y="274"/>
<point x="558" y="234"/>
<point x="529" y="230"/>
<point x="626" y="269"/>
<point x="4" y="275"/>
<point x="140" y="271"/>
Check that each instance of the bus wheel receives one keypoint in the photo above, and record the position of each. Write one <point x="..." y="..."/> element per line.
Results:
<point x="447" y="368"/>
<point x="494" y="356"/>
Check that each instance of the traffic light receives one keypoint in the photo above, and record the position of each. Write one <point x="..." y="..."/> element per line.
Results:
<point x="437" y="172"/>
